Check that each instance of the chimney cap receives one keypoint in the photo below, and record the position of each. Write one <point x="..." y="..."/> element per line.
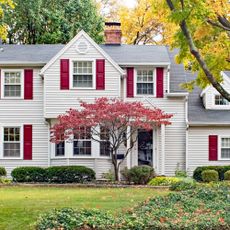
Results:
<point x="112" y="23"/>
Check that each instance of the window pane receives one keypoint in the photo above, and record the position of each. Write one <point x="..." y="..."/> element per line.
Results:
<point x="83" y="81"/>
<point x="82" y="147"/>
<point x="105" y="148"/>
<point x="11" y="150"/>
<point x="60" y="149"/>
<point x="219" y="100"/>
<point x="144" y="88"/>
<point x="12" y="91"/>
<point x="225" y="153"/>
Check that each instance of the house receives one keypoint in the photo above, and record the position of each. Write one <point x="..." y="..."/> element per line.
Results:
<point x="40" y="82"/>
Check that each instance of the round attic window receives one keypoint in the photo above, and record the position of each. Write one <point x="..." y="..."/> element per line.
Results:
<point x="82" y="47"/>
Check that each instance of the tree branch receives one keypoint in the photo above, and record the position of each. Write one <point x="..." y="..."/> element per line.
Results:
<point x="194" y="51"/>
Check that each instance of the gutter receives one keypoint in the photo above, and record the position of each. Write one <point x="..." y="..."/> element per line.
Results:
<point x="48" y="123"/>
<point x="22" y="63"/>
<point x="186" y="133"/>
<point x="176" y="95"/>
<point x="200" y="124"/>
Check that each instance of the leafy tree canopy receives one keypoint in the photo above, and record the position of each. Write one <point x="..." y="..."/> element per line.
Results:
<point x="52" y="21"/>
<point x="4" y="5"/>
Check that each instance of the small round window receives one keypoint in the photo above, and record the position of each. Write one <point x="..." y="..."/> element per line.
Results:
<point x="82" y="47"/>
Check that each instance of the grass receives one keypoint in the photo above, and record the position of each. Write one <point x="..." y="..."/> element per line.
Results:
<point x="20" y="206"/>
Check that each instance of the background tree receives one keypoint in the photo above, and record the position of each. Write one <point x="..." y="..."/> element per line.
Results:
<point x="119" y="120"/>
<point x="146" y="23"/>
<point x="52" y="21"/>
<point x="4" y="5"/>
<point x="203" y="39"/>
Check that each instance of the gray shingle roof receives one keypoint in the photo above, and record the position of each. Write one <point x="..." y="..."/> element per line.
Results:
<point x="227" y="73"/>
<point x="28" y="53"/>
<point x="124" y="54"/>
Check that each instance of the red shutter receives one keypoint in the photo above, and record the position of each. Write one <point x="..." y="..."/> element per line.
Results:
<point x="28" y="84"/>
<point x="130" y="82"/>
<point x="100" y="74"/>
<point x="213" y="147"/>
<point x="64" y="73"/>
<point x="160" y="82"/>
<point x="28" y="142"/>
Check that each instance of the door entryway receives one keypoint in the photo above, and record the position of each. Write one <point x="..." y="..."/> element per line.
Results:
<point x="145" y="147"/>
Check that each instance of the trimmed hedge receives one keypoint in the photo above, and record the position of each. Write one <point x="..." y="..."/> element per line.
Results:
<point x="29" y="174"/>
<point x="210" y="175"/>
<point x="220" y="169"/>
<point x="2" y="171"/>
<point x="138" y="174"/>
<point x="69" y="174"/>
<point x="55" y="174"/>
<point x="227" y="175"/>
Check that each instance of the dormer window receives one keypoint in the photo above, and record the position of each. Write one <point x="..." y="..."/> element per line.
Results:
<point x="220" y="100"/>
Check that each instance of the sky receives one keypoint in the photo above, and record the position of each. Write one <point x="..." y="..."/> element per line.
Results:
<point x="129" y="3"/>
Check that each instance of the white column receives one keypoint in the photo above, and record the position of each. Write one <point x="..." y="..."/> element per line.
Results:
<point x="128" y="146"/>
<point x="163" y="149"/>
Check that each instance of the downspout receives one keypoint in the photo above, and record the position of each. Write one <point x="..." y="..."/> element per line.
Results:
<point x="47" y="122"/>
<point x="186" y="133"/>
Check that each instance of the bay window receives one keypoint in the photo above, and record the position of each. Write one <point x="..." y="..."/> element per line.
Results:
<point x="82" y="142"/>
<point x="104" y="142"/>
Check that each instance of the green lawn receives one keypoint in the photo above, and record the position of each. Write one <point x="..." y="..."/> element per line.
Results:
<point x="20" y="206"/>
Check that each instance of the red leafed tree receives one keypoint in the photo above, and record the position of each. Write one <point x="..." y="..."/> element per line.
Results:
<point x="110" y="120"/>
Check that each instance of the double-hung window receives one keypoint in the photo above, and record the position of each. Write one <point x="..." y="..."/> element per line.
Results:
<point x="145" y="82"/>
<point x="225" y="148"/>
<point x="220" y="100"/>
<point x="82" y="142"/>
<point x="83" y="74"/>
<point x="12" y="84"/>
<point x="11" y="142"/>
<point x="104" y="142"/>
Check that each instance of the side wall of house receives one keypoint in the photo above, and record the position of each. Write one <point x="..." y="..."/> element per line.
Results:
<point x="18" y="112"/>
<point x="198" y="146"/>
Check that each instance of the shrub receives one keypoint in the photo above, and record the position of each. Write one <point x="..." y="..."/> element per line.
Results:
<point x="68" y="218"/>
<point x="29" y="174"/>
<point x="2" y="171"/>
<point x="209" y="175"/>
<point x="138" y="174"/>
<point x="5" y="180"/>
<point x="69" y="174"/>
<point x="109" y="176"/>
<point x="164" y="181"/>
<point x="227" y="175"/>
<point x="180" y="173"/>
<point x="220" y="169"/>
<point x="183" y="185"/>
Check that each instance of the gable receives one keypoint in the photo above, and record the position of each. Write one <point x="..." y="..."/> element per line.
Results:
<point x="80" y="47"/>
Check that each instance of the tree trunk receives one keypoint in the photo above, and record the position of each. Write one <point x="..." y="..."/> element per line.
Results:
<point x="116" y="172"/>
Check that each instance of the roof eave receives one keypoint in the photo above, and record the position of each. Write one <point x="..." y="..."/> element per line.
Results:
<point x="26" y="63"/>
<point x="200" y="124"/>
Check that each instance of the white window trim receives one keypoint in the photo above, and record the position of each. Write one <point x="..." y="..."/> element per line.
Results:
<point x="21" y="141"/>
<point x="154" y="82"/>
<point x="71" y="73"/>
<point x="219" y="148"/>
<point x="3" y="80"/>
<point x="223" y="107"/>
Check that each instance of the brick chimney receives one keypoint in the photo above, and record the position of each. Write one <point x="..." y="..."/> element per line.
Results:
<point x="113" y="33"/>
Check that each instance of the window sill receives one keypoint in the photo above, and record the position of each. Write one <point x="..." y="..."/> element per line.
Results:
<point x="228" y="159"/>
<point x="82" y="88"/>
<point x="11" y="158"/>
<point x="12" y="98"/>
<point x="81" y="157"/>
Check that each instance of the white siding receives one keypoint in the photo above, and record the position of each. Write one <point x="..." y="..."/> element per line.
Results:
<point x="209" y="101"/>
<point x="20" y="112"/>
<point x="59" y="101"/>
<point x="198" y="146"/>
<point x="174" y="133"/>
